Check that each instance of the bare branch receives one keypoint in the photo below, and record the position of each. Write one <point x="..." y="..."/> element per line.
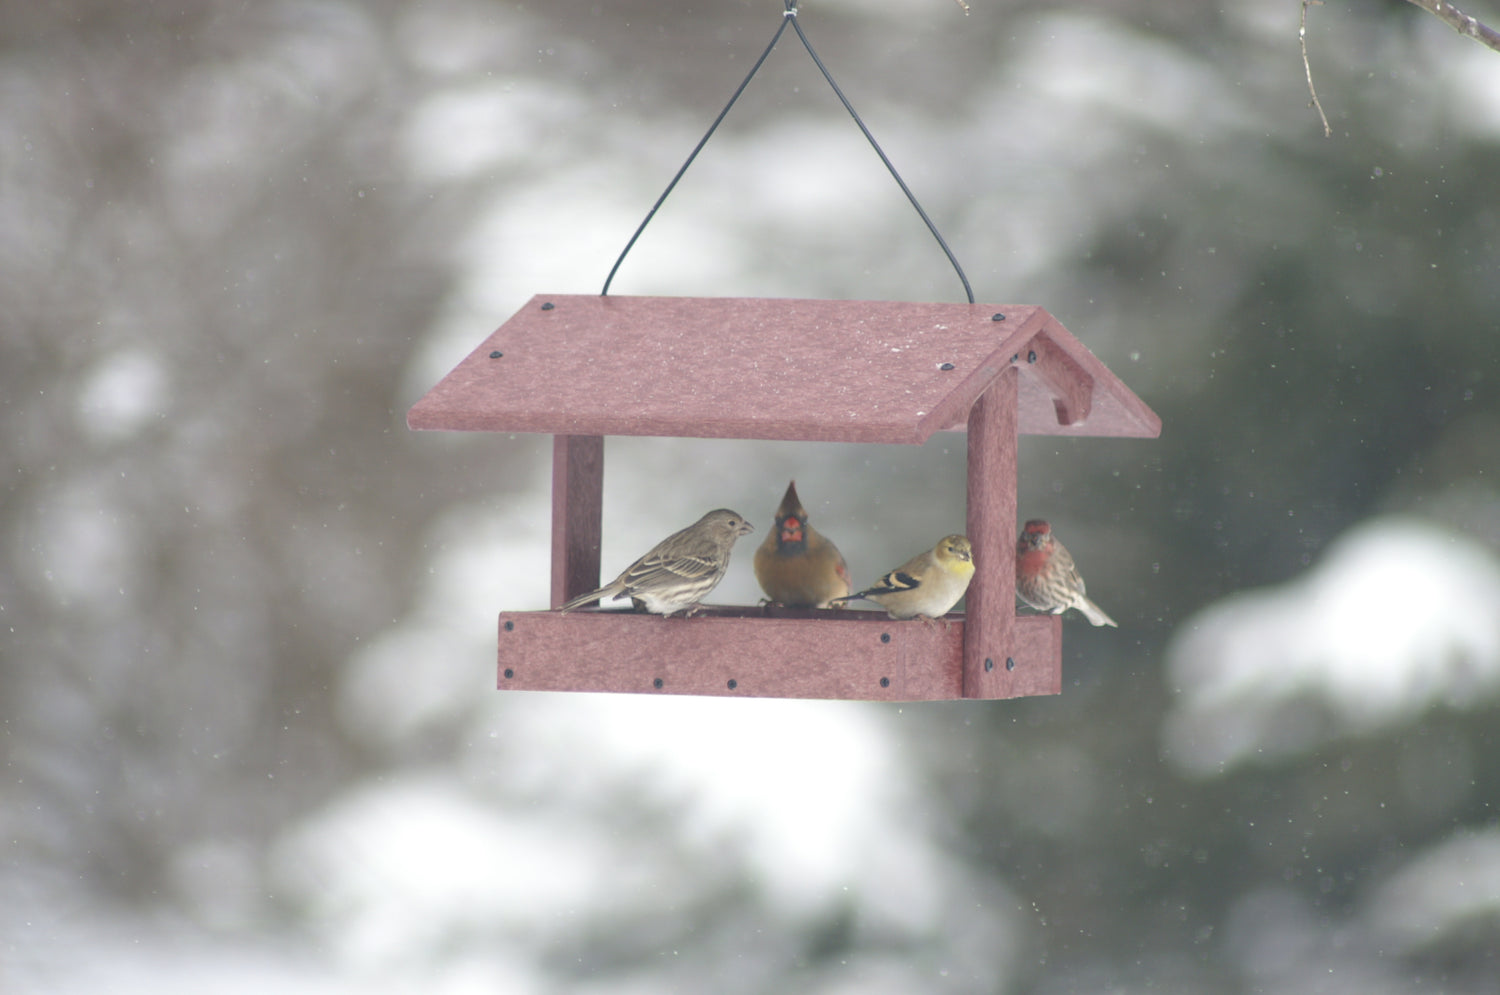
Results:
<point x="1460" y="22"/>
<point x="1307" y="66"/>
<point x="1450" y="15"/>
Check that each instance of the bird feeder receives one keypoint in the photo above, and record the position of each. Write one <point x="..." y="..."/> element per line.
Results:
<point x="584" y="367"/>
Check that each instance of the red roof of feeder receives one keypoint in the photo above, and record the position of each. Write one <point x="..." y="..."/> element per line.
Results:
<point x="761" y="368"/>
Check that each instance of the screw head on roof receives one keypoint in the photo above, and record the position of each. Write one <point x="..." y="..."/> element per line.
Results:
<point x="945" y="366"/>
<point x="548" y="305"/>
<point x="1031" y="356"/>
<point x="997" y="317"/>
<point x="496" y="354"/>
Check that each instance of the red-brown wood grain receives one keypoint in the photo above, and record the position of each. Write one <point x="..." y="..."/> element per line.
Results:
<point x="577" y="514"/>
<point x="1072" y="386"/>
<point x="758" y="368"/>
<point x="991" y="510"/>
<point x="831" y="654"/>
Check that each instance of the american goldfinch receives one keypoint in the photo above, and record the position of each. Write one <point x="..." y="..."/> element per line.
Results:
<point x="1046" y="577"/>
<point x="797" y="566"/>
<point x="680" y="570"/>
<point x="925" y="586"/>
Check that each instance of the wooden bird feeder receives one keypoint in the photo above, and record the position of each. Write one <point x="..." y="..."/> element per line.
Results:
<point x="583" y="367"/>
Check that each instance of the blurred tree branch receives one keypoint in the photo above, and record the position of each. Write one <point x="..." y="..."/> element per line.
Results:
<point x="1461" y="22"/>
<point x="1464" y="24"/>
<point x="1307" y="67"/>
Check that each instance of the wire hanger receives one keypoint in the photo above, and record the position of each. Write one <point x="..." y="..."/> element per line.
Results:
<point x="789" y="16"/>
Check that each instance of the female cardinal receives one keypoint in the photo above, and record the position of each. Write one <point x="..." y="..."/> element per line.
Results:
<point x="796" y="565"/>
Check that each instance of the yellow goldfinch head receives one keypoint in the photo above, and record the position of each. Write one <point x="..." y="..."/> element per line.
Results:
<point x="955" y="553"/>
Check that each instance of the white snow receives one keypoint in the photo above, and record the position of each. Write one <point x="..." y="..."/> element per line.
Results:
<point x="1399" y="615"/>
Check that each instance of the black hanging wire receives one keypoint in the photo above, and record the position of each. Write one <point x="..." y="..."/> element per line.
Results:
<point x="792" y="15"/>
<point x="789" y="16"/>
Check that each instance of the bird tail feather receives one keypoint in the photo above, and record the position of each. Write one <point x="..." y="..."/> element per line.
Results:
<point x="584" y="599"/>
<point x="1095" y="614"/>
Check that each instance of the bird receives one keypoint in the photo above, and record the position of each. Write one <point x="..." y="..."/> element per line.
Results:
<point x="797" y="566"/>
<point x="927" y="585"/>
<point x="1046" y="577"/>
<point x="680" y="570"/>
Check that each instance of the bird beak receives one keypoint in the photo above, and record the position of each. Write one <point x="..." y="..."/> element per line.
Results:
<point x="745" y="528"/>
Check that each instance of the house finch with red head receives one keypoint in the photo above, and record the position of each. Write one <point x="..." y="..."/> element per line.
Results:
<point x="1046" y="577"/>
<point x="796" y="565"/>
<point x="680" y="570"/>
<point x="927" y="585"/>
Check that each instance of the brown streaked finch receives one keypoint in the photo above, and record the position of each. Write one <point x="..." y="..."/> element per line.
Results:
<point x="1046" y="577"/>
<point x="927" y="585"/>
<point x="797" y="566"/>
<point x="680" y="570"/>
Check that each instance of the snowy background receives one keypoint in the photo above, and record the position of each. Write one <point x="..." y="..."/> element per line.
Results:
<point x="247" y="723"/>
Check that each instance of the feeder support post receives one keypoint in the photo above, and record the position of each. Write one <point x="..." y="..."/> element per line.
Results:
<point x="990" y="608"/>
<point x="577" y="514"/>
